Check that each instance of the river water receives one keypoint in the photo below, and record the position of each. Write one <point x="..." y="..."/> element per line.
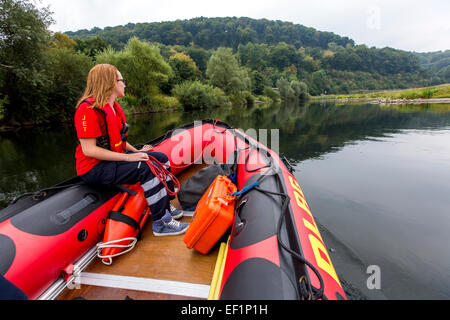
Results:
<point x="377" y="179"/>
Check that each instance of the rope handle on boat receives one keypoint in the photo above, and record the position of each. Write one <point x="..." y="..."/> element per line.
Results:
<point x="113" y="244"/>
<point x="38" y="195"/>
<point x="248" y="188"/>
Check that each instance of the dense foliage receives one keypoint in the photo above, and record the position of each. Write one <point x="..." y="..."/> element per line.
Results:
<point x="212" y="33"/>
<point x="196" y="63"/>
<point x="438" y="63"/>
<point x="282" y="49"/>
<point x="143" y="67"/>
<point x="196" y="95"/>
<point x="41" y="76"/>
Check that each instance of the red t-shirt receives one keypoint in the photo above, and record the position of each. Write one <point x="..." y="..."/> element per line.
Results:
<point x="89" y="123"/>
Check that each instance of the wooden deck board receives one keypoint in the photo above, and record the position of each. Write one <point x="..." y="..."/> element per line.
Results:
<point x="102" y="293"/>
<point x="162" y="258"/>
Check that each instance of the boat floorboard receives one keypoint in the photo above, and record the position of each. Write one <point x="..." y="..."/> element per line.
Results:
<point x="159" y="258"/>
<point x="101" y="293"/>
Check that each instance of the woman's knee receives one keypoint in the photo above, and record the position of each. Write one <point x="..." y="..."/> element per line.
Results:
<point x="161" y="157"/>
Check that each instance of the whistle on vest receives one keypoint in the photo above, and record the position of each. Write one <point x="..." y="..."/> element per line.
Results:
<point x="123" y="132"/>
<point x="103" y="141"/>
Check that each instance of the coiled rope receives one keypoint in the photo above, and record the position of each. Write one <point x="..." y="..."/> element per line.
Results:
<point x="160" y="170"/>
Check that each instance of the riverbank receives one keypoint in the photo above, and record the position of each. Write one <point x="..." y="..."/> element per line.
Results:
<point x="15" y="126"/>
<point x="425" y="95"/>
<point x="382" y="101"/>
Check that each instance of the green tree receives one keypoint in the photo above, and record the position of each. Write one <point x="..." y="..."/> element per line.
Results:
<point x="196" y="95"/>
<point x="300" y="90"/>
<point x="23" y="40"/>
<point x="258" y="82"/>
<point x="200" y="56"/>
<point x="66" y="74"/>
<point x="283" y="55"/>
<point x="295" y="90"/>
<point x="143" y="67"/>
<point x="271" y="93"/>
<point x="253" y="55"/>
<point x="184" y="68"/>
<point x="286" y="91"/>
<point x="61" y="40"/>
<point x="224" y="72"/>
<point x="91" y="46"/>
<point x="320" y="83"/>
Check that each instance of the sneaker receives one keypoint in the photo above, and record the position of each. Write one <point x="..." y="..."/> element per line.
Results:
<point x="175" y="212"/>
<point x="167" y="226"/>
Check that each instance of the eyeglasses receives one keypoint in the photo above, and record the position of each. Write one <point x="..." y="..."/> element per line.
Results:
<point x="124" y="81"/>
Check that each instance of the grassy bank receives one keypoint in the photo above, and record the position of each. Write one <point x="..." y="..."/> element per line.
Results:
<point x="433" y="92"/>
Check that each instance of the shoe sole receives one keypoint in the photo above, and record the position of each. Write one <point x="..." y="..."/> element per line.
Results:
<point x="178" y="216"/>
<point x="169" y="234"/>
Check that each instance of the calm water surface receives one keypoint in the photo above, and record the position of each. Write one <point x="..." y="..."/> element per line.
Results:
<point x="376" y="178"/>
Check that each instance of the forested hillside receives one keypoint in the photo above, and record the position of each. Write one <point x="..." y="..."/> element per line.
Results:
<point x="189" y="64"/>
<point x="327" y="62"/>
<point x="210" y="33"/>
<point x="437" y="63"/>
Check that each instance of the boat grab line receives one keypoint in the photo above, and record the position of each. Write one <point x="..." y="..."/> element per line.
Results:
<point x="144" y="284"/>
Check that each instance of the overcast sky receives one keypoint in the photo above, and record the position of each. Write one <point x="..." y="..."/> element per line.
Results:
<point x="414" y="25"/>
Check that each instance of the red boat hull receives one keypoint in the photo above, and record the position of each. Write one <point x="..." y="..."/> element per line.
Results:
<point x="256" y="267"/>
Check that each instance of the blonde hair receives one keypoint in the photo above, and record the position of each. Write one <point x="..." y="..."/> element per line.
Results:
<point x="101" y="82"/>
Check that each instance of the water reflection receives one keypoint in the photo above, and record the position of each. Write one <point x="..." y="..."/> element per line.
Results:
<point x="387" y="199"/>
<point x="375" y="176"/>
<point x="36" y="158"/>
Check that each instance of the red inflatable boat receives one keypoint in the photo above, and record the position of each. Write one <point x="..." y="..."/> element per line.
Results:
<point x="275" y="249"/>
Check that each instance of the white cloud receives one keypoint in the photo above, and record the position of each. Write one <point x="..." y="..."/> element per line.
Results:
<point x="409" y="25"/>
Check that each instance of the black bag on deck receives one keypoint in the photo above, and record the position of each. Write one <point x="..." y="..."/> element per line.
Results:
<point x="193" y="189"/>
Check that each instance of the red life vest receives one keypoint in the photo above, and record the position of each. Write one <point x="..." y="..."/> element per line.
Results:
<point x="116" y="139"/>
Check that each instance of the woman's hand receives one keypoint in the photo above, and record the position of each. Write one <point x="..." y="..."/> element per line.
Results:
<point x="138" y="156"/>
<point x="146" y="148"/>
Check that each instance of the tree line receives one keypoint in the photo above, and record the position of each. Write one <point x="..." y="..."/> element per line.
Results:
<point x="186" y="64"/>
<point x="277" y="47"/>
<point x="211" y="33"/>
<point x="42" y="74"/>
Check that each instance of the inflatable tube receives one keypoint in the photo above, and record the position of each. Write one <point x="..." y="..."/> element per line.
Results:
<point x="275" y="249"/>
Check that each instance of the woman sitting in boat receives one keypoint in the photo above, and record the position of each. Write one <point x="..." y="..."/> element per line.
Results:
<point x="104" y="157"/>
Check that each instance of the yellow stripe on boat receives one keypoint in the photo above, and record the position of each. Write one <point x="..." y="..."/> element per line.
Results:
<point x="218" y="272"/>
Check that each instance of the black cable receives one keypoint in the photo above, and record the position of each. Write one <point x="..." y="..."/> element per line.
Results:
<point x="318" y="293"/>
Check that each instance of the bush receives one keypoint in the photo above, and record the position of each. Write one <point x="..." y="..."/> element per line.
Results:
<point x="286" y="91"/>
<point x="143" y="67"/>
<point x="410" y="94"/>
<point x="23" y="40"/>
<point x="128" y="103"/>
<point x="2" y="108"/>
<point x="428" y="93"/>
<point x="66" y="74"/>
<point x="195" y="95"/>
<point x="295" y="90"/>
<point x="272" y="94"/>
<point x="224" y="72"/>
<point x="161" y="102"/>
<point x="248" y="97"/>
<point x="300" y="90"/>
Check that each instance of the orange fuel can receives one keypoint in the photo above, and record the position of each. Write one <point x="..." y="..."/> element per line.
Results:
<point x="213" y="216"/>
